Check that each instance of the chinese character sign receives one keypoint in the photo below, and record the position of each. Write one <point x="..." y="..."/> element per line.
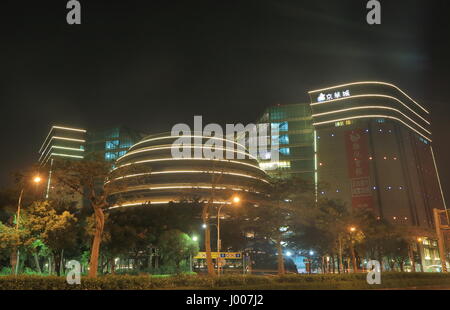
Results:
<point x="358" y="168"/>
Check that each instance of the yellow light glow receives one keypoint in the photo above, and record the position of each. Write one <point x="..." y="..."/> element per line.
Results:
<point x="183" y="146"/>
<point x="374" y="116"/>
<point x="370" y="82"/>
<point x="171" y="158"/>
<point x="236" y="199"/>
<point x="352" y="229"/>
<point x="185" y="136"/>
<point x="185" y="171"/>
<point x="372" y="107"/>
<point x="37" y="179"/>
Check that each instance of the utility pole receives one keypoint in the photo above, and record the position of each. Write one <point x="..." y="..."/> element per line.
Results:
<point x="439" y="227"/>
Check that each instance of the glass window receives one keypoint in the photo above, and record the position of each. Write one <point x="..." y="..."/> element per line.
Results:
<point x="285" y="151"/>
<point x="110" y="145"/>
<point x="284" y="139"/>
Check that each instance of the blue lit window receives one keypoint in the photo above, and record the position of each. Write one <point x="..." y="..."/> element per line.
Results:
<point x="110" y="145"/>
<point x="284" y="126"/>
<point x="284" y="139"/>
<point x="110" y="156"/>
<point x="125" y="145"/>
<point x="285" y="151"/>
<point x="381" y="120"/>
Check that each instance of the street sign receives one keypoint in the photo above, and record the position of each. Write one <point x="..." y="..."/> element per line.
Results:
<point x="223" y="255"/>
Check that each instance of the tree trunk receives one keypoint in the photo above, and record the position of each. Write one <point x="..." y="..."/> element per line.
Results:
<point x="333" y="264"/>
<point x="205" y="216"/>
<point x="411" y="258"/>
<point x="57" y="262"/>
<point x="13" y="260"/>
<point x="95" y="250"/>
<point x="36" y="261"/>
<point x="281" y="269"/>
<point x="352" y="251"/>
<point x="113" y="265"/>
<point x="340" y="268"/>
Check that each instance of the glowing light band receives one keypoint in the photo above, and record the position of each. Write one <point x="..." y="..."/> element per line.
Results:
<point x="373" y="116"/>
<point x="371" y="107"/>
<point x="183" y="146"/>
<point x="186" y="136"/>
<point x="185" y="171"/>
<point x="370" y="82"/>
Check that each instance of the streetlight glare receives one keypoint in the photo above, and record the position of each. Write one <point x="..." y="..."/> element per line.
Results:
<point x="37" y="179"/>
<point x="194" y="238"/>
<point x="203" y="225"/>
<point x="352" y="229"/>
<point x="236" y="199"/>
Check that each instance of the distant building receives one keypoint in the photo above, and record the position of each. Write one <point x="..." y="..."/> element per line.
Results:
<point x="296" y="137"/>
<point x="374" y="150"/>
<point x="74" y="144"/>
<point x="61" y="143"/>
<point x="159" y="178"/>
<point x="112" y="143"/>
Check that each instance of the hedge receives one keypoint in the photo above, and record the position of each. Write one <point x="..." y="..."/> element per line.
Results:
<point x="145" y="282"/>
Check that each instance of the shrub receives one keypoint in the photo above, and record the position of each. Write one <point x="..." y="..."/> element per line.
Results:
<point x="142" y="282"/>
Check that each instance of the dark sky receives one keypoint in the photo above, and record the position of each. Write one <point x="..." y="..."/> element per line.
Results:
<point x="151" y="64"/>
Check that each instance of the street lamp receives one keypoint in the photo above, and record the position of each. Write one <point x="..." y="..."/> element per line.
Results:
<point x="235" y="200"/>
<point x="352" y="248"/>
<point x="195" y="239"/>
<point x="37" y="179"/>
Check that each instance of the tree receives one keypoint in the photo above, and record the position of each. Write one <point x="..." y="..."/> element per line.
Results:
<point x="56" y="230"/>
<point x="176" y="246"/>
<point x="87" y="178"/>
<point x="274" y="219"/>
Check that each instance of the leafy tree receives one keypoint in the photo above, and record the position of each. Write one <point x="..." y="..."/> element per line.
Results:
<point x="88" y="178"/>
<point x="176" y="246"/>
<point x="53" y="229"/>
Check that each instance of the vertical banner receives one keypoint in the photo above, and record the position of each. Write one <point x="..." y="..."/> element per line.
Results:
<point x="358" y="168"/>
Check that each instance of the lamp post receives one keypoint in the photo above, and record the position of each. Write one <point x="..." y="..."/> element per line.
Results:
<point x="352" y="249"/>
<point x="37" y="179"/>
<point x="235" y="200"/>
<point x="195" y="239"/>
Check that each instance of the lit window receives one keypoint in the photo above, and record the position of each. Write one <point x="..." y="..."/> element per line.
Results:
<point x="284" y="139"/>
<point x="110" y="145"/>
<point x="285" y="151"/>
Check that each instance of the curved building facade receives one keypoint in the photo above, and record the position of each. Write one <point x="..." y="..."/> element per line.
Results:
<point x="149" y="174"/>
<point x="373" y="149"/>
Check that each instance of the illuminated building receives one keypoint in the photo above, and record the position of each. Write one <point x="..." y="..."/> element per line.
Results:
<point x="112" y="143"/>
<point x="149" y="174"/>
<point x="374" y="150"/>
<point x="61" y="143"/>
<point x="296" y="136"/>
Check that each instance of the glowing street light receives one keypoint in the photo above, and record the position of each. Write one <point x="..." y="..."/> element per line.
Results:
<point x="236" y="199"/>
<point x="194" y="238"/>
<point x="352" y="229"/>
<point x="36" y="179"/>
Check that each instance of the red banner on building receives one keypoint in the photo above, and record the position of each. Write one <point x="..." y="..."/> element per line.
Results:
<point x="358" y="168"/>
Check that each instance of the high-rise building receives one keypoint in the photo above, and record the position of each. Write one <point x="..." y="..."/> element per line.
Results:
<point x="61" y="143"/>
<point x="112" y="143"/>
<point x="374" y="150"/>
<point x="295" y="141"/>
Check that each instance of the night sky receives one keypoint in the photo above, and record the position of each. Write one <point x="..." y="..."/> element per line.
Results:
<point x="152" y="64"/>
